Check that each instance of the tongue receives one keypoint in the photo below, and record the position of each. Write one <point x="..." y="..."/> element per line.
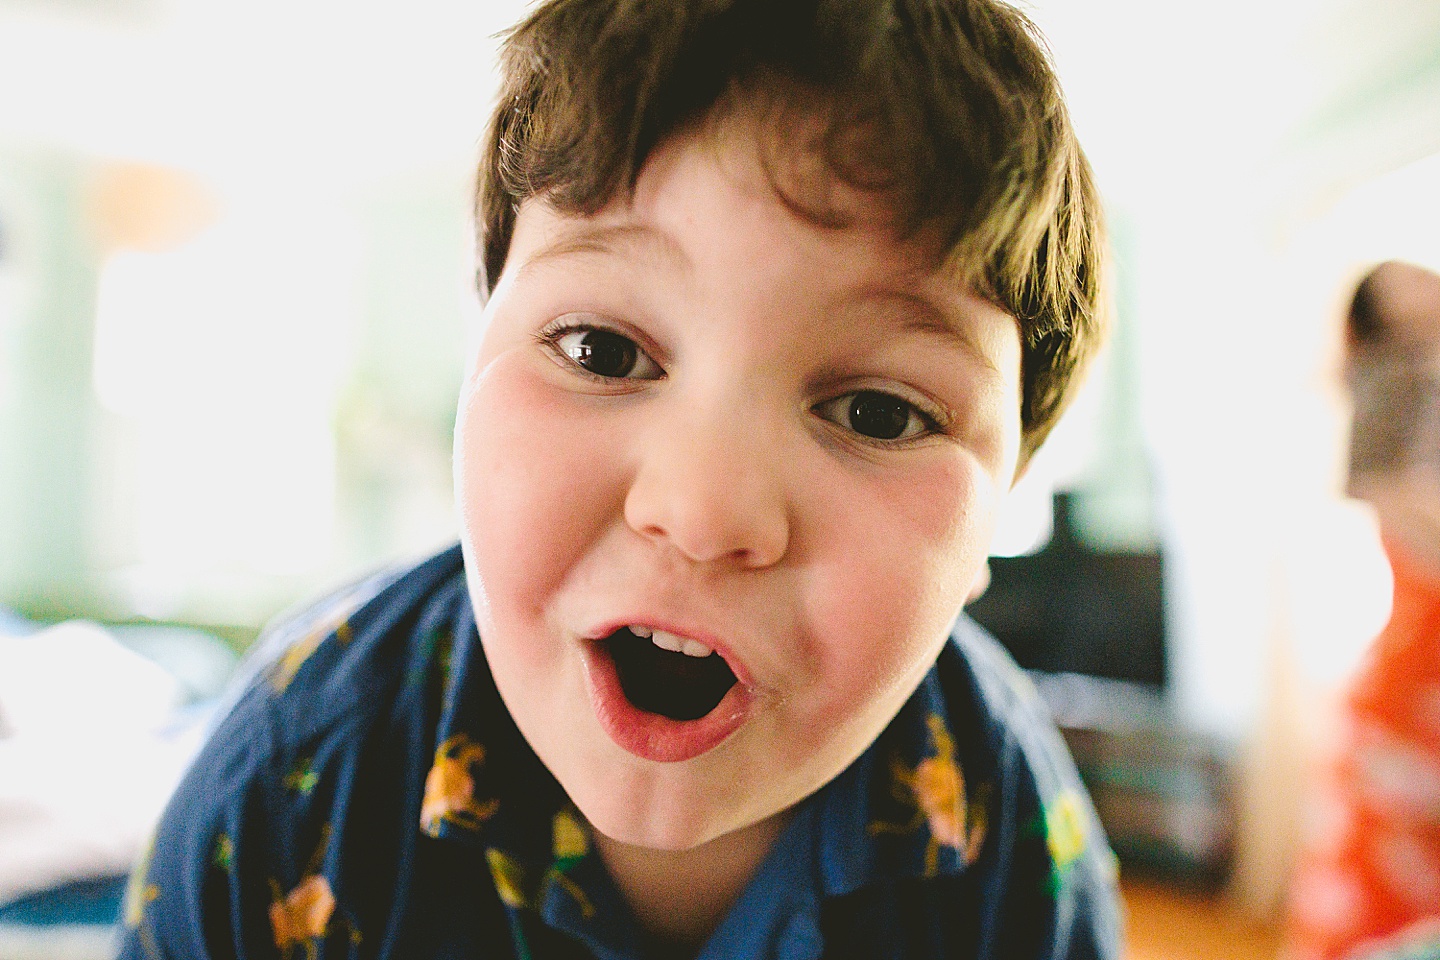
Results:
<point x="671" y="684"/>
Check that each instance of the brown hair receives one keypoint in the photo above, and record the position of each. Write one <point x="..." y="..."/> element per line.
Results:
<point x="1392" y="331"/>
<point x="1366" y="320"/>
<point x="953" y="100"/>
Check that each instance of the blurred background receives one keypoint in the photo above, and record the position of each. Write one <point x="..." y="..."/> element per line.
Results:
<point x="236" y="283"/>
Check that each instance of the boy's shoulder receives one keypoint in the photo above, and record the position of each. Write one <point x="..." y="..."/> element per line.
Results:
<point x="299" y="811"/>
<point x="331" y="676"/>
<point x="349" y="649"/>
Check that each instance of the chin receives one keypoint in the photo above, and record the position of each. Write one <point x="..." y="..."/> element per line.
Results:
<point x="651" y="825"/>
<point x="646" y="836"/>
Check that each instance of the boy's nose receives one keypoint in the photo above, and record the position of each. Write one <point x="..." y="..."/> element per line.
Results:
<point x="713" y="493"/>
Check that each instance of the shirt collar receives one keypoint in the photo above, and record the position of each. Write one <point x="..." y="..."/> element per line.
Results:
<point x="902" y="810"/>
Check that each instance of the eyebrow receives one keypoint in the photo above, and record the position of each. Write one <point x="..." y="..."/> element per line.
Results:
<point x="926" y="317"/>
<point x="610" y="239"/>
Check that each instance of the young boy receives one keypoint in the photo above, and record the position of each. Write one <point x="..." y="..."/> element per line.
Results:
<point x="782" y="294"/>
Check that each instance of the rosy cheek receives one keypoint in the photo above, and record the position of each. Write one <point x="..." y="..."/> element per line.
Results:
<point x="899" y="571"/>
<point x="530" y="497"/>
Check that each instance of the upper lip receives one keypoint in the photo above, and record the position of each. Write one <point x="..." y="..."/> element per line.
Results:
<point x="608" y="627"/>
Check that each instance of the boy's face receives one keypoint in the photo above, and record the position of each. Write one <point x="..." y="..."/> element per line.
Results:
<point x="701" y="416"/>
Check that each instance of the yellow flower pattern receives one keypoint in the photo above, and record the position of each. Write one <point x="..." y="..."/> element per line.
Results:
<point x="570" y="843"/>
<point x="224" y="855"/>
<point x="450" y="788"/>
<point x="509" y="879"/>
<point x="335" y="623"/>
<point x="140" y="892"/>
<point x="302" y="916"/>
<point x="936" y="788"/>
<point x="302" y="777"/>
<point x="1065" y="829"/>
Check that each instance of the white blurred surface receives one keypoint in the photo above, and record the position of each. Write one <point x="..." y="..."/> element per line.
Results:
<point x="88" y="756"/>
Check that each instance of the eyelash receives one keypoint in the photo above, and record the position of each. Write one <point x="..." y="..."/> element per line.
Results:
<point x="931" y="421"/>
<point x="552" y="336"/>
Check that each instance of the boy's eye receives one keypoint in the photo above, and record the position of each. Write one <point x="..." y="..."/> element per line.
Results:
<point x="606" y="353"/>
<point x="879" y="416"/>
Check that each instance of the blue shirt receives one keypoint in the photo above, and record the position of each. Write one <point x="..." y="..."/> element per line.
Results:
<point x="369" y="796"/>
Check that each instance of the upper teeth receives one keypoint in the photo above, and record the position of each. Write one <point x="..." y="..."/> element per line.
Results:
<point x="669" y="641"/>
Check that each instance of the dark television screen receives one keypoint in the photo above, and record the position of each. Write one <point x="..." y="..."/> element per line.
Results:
<point x="1072" y="609"/>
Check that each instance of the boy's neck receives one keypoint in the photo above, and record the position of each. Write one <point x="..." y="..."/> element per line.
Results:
<point x="1409" y="516"/>
<point x="680" y="896"/>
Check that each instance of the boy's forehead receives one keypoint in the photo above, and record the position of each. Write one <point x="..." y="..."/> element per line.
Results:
<point x="736" y="166"/>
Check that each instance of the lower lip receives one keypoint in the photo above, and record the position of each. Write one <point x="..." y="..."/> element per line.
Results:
<point x="651" y="736"/>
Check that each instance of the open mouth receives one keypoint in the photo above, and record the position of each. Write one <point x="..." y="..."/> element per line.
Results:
<point x="668" y="675"/>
